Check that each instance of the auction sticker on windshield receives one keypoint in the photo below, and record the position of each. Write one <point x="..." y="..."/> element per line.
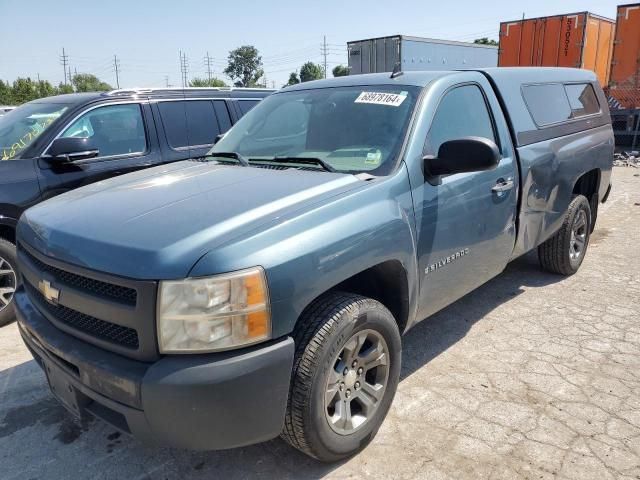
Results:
<point x="381" y="98"/>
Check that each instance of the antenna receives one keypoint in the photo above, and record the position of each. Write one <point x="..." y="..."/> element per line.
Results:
<point x="397" y="71"/>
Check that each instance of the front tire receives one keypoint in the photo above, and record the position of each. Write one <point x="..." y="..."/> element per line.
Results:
<point x="8" y="281"/>
<point x="345" y="375"/>
<point x="564" y="252"/>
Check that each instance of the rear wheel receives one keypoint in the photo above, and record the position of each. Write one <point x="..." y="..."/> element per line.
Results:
<point x="345" y="375"/>
<point x="564" y="252"/>
<point x="8" y="281"/>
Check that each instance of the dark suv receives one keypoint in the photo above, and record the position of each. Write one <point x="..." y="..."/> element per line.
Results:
<point x="56" y="144"/>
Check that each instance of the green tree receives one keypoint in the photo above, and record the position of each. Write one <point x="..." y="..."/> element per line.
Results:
<point x="86" y="82"/>
<point x="23" y="90"/>
<point x="45" y="89"/>
<point x="5" y="94"/>
<point x="340" y="71"/>
<point x="293" y="79"/>
<point x="205" y="82"/>
<point x="311" y="71"/>
<point x="486" y="41"/>
<point x="64" y="88"/>
<point x="245" y="66"/>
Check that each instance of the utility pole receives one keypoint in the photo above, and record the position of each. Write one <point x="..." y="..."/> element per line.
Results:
<point x="207" y="62"/>
<point x="70" y="77"/>
<point x="116" y="66"/>
<point x="166" y="81"/>
<point x="184" y="68"/>
<point x="325" y="52"/>
<point x="64" y="59"/>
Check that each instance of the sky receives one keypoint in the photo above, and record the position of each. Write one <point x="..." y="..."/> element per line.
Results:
<point x="147" y="36"/>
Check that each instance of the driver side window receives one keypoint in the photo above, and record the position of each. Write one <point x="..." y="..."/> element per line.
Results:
<point x="113" y="129"/>
<point x="462" y="112"/>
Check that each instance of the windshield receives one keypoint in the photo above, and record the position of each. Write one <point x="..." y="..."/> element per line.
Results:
<point x="349" y="129"/>
<point x="20" y="127"/>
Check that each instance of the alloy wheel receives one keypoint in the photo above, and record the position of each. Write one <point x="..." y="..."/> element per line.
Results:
<point x="8" y="283"/>
<point x="578" y="235"/>
<point x="357" y="382"/>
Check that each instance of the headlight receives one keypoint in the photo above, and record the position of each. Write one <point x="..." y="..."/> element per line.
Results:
<point x="213" y="313"/>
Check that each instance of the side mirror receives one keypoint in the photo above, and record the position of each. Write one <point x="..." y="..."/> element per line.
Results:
<point x="468" y="154"/>
<point x="71" y="149"/>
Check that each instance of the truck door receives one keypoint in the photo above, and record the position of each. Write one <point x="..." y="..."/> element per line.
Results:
<point x="465" y="222"/>
<point x="124" y="135"/>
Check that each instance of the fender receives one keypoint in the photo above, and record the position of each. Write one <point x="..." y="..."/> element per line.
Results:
<point x="339" y="239"/>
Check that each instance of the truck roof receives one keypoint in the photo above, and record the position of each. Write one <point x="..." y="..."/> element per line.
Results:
<point x="507" y="81"/>
<point x="503" y="76"/>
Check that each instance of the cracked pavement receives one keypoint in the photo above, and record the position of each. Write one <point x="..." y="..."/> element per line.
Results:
<point x="531" y="376"/>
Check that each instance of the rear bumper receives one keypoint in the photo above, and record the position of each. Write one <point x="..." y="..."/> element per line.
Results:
<point x="197" y="402"/>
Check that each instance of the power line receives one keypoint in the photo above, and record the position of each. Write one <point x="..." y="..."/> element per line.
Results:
<point x="207" y="60"/>
<point x="184" y="68"/>
<point x="116" y="66"/>
<point x="64" y="59"/>
<point x="324" y="53"/>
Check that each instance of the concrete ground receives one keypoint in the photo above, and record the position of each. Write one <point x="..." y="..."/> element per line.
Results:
<point x="531" y="376"/>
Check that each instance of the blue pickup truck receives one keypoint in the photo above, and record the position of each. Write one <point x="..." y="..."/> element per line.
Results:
<point x="262" y="289"/>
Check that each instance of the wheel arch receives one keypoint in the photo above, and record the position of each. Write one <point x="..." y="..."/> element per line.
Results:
<point x="387" y="282"/>
<point x="8" y="230"/>
<point x="588" y="184"/>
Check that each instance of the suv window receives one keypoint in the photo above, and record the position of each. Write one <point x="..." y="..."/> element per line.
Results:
<point x="114" y="129"/>
<point x="462" y="112"/>
<point x="222" y="112"/>
<point x="20" y="127"/>
<point x="246" y="105"/>
<point x="189" y="123"/>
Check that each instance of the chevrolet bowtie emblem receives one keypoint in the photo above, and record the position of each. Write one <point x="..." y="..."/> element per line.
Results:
<point x="50" y="293"/>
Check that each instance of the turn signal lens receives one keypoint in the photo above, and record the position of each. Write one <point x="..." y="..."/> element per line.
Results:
<point x="215" y="313"/>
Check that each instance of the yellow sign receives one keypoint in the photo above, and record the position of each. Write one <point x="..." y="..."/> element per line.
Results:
<point x="24" y="141"/>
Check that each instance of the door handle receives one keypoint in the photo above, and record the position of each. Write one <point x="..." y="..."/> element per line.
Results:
<point x="502" y="186"/>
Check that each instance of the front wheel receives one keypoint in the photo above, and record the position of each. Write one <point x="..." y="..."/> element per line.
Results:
<point x="564" y="252"/>
<point x="8" y="281"/>
<point x="345" y="375"/>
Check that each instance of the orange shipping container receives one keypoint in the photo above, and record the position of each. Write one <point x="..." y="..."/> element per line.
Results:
<point x="579" y="40"/>
<point x="624" y="85"/>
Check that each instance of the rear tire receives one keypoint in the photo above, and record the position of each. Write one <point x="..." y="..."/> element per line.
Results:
<point x="564" y="252"/>
<point x="345" y="374"/>
<point x="8" y="281"/>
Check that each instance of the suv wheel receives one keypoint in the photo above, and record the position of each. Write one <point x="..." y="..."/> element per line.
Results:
<point x="345" y="375"/>
<point x="8" y="281"/>
<point x="564" y="252"/>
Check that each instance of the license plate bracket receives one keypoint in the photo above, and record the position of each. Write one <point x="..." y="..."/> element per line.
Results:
<point x="63" y="390"/>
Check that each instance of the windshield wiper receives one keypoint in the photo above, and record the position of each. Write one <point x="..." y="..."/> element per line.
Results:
<point x="234" y="155"/>
<point x="304" y="161"/>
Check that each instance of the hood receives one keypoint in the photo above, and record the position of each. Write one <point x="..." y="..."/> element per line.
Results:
<point x="156" y="223"/>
